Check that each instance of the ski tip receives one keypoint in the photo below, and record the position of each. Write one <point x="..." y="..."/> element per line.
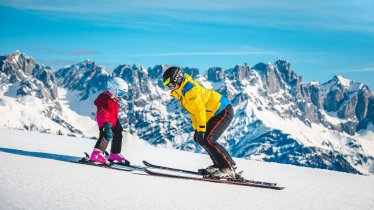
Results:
<point x="145" y="169"/>
<point x="146" y="163"/>
<point x="82" y="160"/>
<point x="276" y="187"/>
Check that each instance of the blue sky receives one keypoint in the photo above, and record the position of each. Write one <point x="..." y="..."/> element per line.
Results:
<point x="320" y="39"/>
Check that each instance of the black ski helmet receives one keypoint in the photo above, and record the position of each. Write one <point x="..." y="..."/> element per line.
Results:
<point x="172" y="76"/>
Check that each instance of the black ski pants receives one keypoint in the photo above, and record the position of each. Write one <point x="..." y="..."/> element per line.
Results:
<point x="116" y="143"/>
<point x="215" y="128"/>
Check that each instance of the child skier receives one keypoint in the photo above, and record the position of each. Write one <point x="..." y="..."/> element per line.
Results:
<point x="211" y="114"/>
<point x="109" y="125"/>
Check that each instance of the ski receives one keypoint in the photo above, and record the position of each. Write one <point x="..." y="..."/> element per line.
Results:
<point x="150" y="165"/>
<point x="242" y="183"/>
<point x="110" y="165"/>
<point x="170" y="169"/>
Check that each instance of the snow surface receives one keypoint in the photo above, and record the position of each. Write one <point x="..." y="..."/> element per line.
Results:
<point x="26" y="113"/>
<point x="37" y="174"/>
<point x="333" y="118"/>
<point x="78" y="114"/>
<point x="29" y="112"/>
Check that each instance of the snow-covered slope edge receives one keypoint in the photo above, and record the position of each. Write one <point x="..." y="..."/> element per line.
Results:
<point x="37" y="175"/>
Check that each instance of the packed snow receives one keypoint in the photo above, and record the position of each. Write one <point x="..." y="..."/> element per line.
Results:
<point x="36" y="174"/>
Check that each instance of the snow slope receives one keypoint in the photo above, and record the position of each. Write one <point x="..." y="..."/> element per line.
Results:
<point x="31" y="113"/>
<point x="26" y="113"/>
<point x="78" y="114"/>
<point x="37" y="175"/>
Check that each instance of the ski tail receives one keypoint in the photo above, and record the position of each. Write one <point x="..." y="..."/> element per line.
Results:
<point x="169" y="168"/>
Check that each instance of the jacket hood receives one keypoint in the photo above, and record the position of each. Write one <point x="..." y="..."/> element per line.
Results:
<point x="186" y="79"/>
<point x="103" y="97"/>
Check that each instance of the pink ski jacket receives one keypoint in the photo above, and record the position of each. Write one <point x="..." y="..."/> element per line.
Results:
<point x="107" y="109"/>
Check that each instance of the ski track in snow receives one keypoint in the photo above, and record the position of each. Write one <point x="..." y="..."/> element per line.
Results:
<point x="35" y="174"/>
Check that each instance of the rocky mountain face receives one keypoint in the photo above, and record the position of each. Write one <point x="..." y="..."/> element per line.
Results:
<point x="278" y="117"/>
<point x="30" y="78"/>
<point x="21" y="76"/>
<point x="85" y="78"/>
<point x="346" y="100"/>
<point x="269" y="95"/>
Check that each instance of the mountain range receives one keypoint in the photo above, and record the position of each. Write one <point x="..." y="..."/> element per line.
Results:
<point x="278" y="117"/>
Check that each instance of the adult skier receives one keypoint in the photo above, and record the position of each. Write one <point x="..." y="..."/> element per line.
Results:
<point x="211" y="114"/>
<point x="109" y="126"/>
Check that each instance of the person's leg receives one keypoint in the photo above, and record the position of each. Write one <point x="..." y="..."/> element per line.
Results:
<point x="117" y="139"/>
<point x="101" y="143"/>
<point x="215" y="128"/>
<point x="115" y="151"/>
<point x="97" y="155"/>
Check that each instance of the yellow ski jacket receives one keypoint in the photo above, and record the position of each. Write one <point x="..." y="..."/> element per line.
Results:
<point x="201" y="103"/>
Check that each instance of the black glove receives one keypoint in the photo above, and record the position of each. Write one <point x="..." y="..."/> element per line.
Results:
<point x="107" y="128"/>
<point x="198" y="136"/>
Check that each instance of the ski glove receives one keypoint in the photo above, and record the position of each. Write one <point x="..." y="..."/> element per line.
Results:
<point x="107" y="128"/>
<point x="199" y="137"/>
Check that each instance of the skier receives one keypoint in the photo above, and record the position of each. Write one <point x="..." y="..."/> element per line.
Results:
<point x="109" y="125"/>
<point x="211" y="114"/>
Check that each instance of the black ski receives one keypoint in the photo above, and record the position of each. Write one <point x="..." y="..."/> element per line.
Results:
<point x="242" y="183"/>
<point x="240" y="179"/>
<point x="170" y="169"/>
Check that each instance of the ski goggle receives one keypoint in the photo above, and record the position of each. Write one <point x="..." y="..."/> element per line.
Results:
<point x="168" y="84"/>
<point x="121" y="93"/>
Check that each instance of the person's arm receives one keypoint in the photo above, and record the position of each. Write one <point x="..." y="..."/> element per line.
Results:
<point x="105" y="116"/>
<point x="197" y="108"/>
<point x="193" y="121"/>
<point x="104" y="110"/>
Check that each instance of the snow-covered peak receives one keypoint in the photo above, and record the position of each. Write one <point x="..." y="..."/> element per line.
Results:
<point x="85" y="78"/>
<point x="338" y="80"/>
<point x="342" y="80"/>
<point x="343" y="84"/>
<point x="16" y="57"/>
<point x="314" y="83"/>
<point x="20" y="71"/>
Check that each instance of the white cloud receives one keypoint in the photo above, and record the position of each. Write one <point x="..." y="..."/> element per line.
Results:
<point x="358" y="70"/>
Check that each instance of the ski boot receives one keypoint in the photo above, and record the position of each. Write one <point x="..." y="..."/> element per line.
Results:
<point x="97" y="157"/>
<point x="118" y="159"/>
<point x="208" y="170"/>
<point x="224" y="173"/>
